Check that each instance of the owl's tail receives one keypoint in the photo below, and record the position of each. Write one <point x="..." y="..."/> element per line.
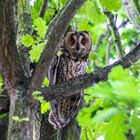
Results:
<point x="60" y="123"/>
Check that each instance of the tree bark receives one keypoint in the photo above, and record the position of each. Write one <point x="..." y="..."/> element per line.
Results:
<point x="133" y="10"/>
<point x="47" y="132"/>
<point x="9" y="60"/>
<point x="70" y="132"/>
<point x="24" y="26"/>
<point x="14" y="76"/>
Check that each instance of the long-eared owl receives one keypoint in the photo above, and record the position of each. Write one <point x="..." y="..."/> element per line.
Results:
<point x="71" y="64"/>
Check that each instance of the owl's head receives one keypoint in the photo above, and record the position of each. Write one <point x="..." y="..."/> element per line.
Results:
<point x="78" y="44"/>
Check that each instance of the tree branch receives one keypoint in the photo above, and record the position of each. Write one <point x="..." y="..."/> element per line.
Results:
<point x="55" y="34"/>
<point x="43" y="9"/>
<point x="133" y="12"/>
<point x="108" y="51"/>
<point x="112" y="21"/>
<point x="9" y="60"/>
<point x="123" y="24"/>
<point x="72" y="87"/>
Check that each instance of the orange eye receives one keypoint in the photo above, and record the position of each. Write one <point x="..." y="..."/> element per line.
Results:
<point x="83" y="42"/>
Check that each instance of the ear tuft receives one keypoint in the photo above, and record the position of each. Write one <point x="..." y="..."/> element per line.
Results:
<point x="86" y="32"/>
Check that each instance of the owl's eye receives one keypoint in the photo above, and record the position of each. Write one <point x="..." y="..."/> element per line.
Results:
<point x="83" y="42"/>
<point x="72" y="41"/>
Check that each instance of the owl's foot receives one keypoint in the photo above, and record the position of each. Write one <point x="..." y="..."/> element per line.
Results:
<point x="55" y="121"/>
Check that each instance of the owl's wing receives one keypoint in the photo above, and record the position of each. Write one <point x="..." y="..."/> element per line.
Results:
<point x="52" y="73"/>
<point x="53" y="70"/>
<point x="64" y="111"/>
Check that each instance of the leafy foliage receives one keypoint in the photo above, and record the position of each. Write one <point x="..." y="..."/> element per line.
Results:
<point x="40" y="26"/>
<point x="46" y="82"/>
<point x="115" y="104"/>
<point x="111" y="5"/>
<point x="37" y="42"/>
<point x="45" y="106"/>
<point x="36" y="51"/>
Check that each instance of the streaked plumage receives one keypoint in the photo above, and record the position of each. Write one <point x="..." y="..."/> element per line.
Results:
<point x="75" y="47"/>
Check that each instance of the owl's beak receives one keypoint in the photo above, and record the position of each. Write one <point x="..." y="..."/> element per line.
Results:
<point x="77" y="47"/>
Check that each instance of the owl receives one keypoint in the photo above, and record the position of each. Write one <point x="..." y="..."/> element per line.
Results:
<point x="71" y="64"/>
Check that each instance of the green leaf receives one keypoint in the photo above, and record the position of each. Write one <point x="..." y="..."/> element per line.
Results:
<point x="84" y="117"/>
<point x="46" y="82"/>
<point x="125" y="87"/>
<point x="49" y="15"/>
<point x="37" y="96"/>
<point x="20" y="119"/>
<point x="135" y="126"/>
<point x="4" y="115"/>
<point x="1" y="82"/>
<point x="90" y="13"/>
<point x="27" y="40"/>
<point x="36" y="93"/>
<point x="116" y="128"/>
<point x="40" y="26"/>
<point x="36" y="52"/>
<point x="92" y="56"/>
<point x="111" y="5"/>
<point x="45" y="106"/>
<point x="118" y="73"/>
<point x="98" y="16"/>
<point x="35" y="9"/>
<point x="105" y="114"/>
<point x="100" y="92"/>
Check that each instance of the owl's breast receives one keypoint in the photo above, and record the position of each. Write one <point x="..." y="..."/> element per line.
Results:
<point x="69" y="69"/>
<point x="64" y="109"/>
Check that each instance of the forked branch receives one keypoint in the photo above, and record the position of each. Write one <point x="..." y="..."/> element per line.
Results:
<point x="55" y="34"/>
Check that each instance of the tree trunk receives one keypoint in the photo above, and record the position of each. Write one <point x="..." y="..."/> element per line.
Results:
<point x="19" y="110"/>
<point x="47" y="132"/>
<point x="23" y="120"/>
<point x="70" y="132"/>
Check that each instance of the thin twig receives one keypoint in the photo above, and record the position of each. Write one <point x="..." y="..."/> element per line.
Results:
<point x="112" y="21"/>
<point x="123" y="24"/>
<point x="108" y="50"/>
